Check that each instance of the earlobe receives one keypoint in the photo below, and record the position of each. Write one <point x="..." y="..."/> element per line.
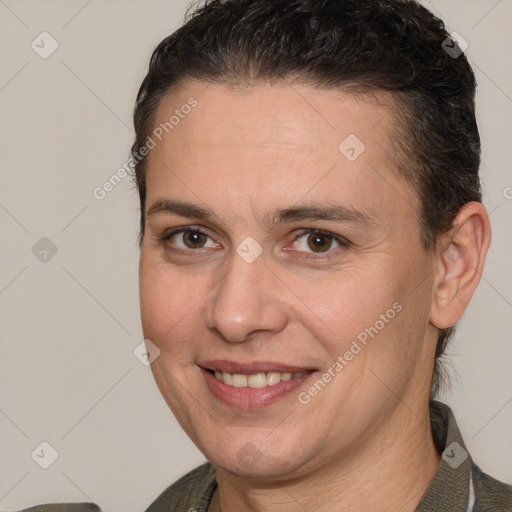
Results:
<point x="460" y="262"/>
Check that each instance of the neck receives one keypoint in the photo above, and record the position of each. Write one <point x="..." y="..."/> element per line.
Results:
<point x="392" y="472"/>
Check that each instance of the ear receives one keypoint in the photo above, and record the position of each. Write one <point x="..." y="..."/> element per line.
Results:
<point x="460" y="264"/>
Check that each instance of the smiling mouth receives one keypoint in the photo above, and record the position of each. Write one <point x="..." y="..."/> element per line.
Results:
<point x="256" y="380"/>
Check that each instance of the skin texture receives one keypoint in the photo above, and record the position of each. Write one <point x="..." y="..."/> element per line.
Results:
<point x="363" y="442"/>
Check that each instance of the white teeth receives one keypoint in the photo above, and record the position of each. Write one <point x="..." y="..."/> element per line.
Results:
<point x="273" y="378"/>
<point x="257" y="380"/>
<point x="239" y="381"/>
<point x="226" y="377"/>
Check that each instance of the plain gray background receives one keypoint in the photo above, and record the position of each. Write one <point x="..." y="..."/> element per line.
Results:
<point x="69" y="325"/>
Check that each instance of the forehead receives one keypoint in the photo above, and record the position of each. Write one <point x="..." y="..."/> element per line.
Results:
<point x="298" y="117"/>
<point x="271" y="144"/>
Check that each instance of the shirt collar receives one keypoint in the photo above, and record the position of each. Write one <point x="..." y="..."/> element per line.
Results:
<point x="449" y="489"/>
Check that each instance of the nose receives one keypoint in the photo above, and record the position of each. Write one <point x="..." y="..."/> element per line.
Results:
<point x="245" y="301"/>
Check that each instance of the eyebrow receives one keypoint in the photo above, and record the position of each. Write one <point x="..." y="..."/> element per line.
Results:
<point x="312" y="212"/>
<point x="181" y="208"/>
<point x="304" y="212"/>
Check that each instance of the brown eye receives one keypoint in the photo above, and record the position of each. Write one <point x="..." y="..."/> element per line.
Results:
<point x="189" y="238"/>
<point x="194" y="239"/>
<point x="318" y="242"/>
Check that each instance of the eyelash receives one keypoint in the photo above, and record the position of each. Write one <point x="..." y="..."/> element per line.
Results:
<point x="343" y="242"/>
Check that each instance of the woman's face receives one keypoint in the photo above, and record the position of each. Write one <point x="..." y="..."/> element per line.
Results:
<point x="238" y="290"/>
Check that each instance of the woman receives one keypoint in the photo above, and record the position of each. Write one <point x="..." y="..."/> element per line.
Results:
<point x="311" y="231"/>
<point x="306" y="249"/>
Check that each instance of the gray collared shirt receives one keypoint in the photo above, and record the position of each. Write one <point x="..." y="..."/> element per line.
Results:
<point x="458" y="484"/>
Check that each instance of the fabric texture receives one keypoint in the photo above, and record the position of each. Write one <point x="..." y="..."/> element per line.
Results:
<point x="64" y="507"/>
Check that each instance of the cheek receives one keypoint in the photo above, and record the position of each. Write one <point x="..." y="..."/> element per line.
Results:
<point x="170" y="303"/>
<point x="343" y="307"/>
<point x="370" y="327"/>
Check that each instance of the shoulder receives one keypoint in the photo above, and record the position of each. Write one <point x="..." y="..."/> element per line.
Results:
<point x="491" y="495"/>
<point x="191" y="492"/>
<point x="458" y="481"/>
<point x="64" y="507"/>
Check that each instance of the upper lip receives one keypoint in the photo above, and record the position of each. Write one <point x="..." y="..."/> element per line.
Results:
<point x="252" y="367"/>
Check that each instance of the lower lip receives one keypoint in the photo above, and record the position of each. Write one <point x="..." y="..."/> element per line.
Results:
<point x="251" y="398"/>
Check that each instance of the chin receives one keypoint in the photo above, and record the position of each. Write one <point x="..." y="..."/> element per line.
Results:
<point x="251" y="456"/>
